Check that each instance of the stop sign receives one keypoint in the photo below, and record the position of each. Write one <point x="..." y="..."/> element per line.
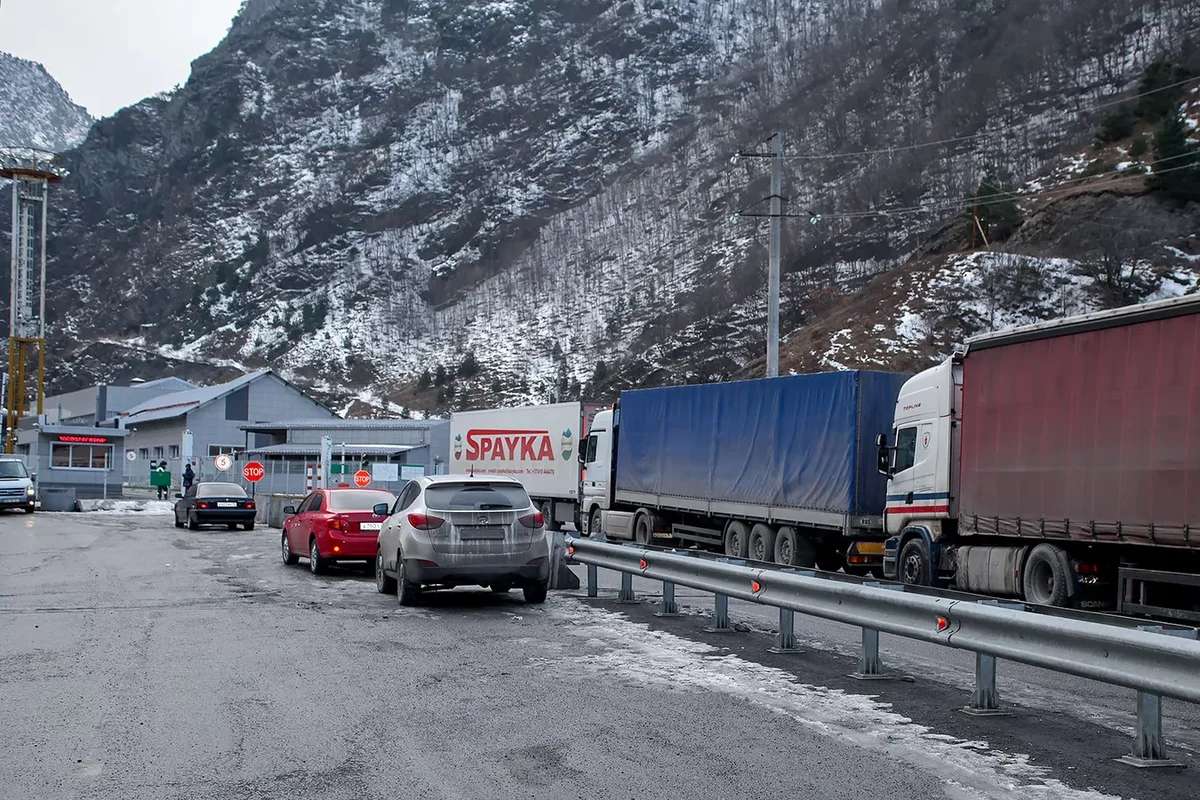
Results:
<point x="362" y="478"/>
<point x="253" y="472"/>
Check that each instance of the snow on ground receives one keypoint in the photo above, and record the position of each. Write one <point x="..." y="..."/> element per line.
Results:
<point x="636" y="654"/>
<point x="146" y="507"/>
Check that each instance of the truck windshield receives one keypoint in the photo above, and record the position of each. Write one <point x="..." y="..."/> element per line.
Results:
<point x="475" y="496"/>
<point x="12" y="469"/>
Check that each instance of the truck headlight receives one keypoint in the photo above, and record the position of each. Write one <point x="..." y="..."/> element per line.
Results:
<point x="29" y="491"/>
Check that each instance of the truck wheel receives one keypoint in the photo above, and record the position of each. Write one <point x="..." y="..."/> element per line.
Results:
<point x="794" y="550"/>
<point x="829" y="558"/>
<point x="1047" y="574"/>
<point x="762" y="542"/>
<point x="737" y="539"/>
<point x="643" y="530"/>
<point x="594" y="523"/>
<point x="547" y="510"/>
<point x="913" y="566"/>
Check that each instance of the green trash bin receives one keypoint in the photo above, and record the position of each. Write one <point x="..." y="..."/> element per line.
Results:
<point x="160" y="479"/>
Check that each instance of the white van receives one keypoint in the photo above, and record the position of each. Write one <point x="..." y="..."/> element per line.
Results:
<point x="16" y="488"/>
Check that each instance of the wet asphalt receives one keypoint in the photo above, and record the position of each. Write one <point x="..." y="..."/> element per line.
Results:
<point x="142" y="661"/>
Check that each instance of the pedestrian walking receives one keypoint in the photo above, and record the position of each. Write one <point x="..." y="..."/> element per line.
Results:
<point x="189" y="477"/>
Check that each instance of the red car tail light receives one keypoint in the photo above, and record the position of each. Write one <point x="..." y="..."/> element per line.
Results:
<point x="336" y="524"/>
<point x="201" y="505"/>
<point x="535" y="520"/>
<point x="425" y="522"/>
<point x="250" y="504"/>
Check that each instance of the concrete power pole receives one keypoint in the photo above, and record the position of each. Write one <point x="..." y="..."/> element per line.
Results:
<point x="774" y="257"/>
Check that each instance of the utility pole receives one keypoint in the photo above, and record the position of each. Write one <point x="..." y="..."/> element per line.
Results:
<point x="773" y="269"/>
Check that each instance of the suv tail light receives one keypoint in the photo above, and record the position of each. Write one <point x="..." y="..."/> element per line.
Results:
<point x="425" y="522"/>
<point x="534" y="520"/>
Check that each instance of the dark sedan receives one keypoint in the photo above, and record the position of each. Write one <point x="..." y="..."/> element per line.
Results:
<point x="215" y="504"/>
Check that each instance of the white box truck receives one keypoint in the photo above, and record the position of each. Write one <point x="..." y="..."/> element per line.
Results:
<point x="537" y="445"/>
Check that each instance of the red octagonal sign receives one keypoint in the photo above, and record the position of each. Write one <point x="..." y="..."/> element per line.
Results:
<point x="362" y="478"/>
<point x="253" y="472"/>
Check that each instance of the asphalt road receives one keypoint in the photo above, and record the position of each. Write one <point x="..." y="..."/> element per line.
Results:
<point x="141" y="661"/>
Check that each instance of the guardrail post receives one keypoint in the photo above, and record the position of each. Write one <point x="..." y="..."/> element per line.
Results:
<point x="669" y="607"/>
<point x="593" y="580"/>
<point x="785" y="642"/>
<point x="870" y="667"/>
<point x="721" y="606"/>
<point x="1149" y="748"/>
<point x="626" y="595"/>
<point x="985" y="699"/>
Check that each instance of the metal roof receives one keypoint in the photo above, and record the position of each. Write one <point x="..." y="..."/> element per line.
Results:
<point x="345" y="424"/>
<point x="350" y="449"/>
<point x="176" y="404"/>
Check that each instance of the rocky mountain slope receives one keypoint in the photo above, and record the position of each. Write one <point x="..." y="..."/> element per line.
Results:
<point x="446" y="203"/>
<point x="35" y="111"/>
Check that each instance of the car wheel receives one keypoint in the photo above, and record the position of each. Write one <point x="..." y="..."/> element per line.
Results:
<point x="536" y="593"/>
<point x="29" y="509"/>
<point x="193" y="523"/>
<point x="1047" y="571"/>
<point x="594" y="522"/>
<point x="383" y="584"/>
<point x="316" y="564"/>
<point x="178" y="524"/>
<point x="249" y="526"/>
<point x="407" y="592"/>
<point x="913" y="566"/>
<point x="501" y="588"/>
<point x="289" y="558"/>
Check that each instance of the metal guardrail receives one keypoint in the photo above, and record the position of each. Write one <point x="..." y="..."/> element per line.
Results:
<point x="1149" y="659"/>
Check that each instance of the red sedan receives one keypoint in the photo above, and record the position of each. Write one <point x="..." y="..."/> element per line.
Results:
<point x="333" y="525"/>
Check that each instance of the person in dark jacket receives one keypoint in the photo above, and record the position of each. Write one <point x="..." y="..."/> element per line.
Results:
<point x="189" y="477"/>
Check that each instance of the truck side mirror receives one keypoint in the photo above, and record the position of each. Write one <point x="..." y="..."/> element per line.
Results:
<point x="883" y="460"/>
<point x="583" y="456"/>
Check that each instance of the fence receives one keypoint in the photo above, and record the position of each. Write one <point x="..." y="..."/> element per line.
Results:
<point x="282" y="477"/>
<point x="1154" y="661"/>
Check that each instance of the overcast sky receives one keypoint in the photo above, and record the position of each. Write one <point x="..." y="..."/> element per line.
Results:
<point x="109" y="54"/>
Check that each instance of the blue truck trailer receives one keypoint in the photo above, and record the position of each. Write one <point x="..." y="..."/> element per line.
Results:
<point x="780" y="469"/>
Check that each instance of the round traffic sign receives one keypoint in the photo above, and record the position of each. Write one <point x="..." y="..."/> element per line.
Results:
<point x="131" y="455"/>
<point x="362" y="478"/>
<point x="253" y="472"/>
<point x="224" y="462"/>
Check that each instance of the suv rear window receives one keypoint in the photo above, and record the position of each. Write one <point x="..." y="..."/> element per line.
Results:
<point x="350" y="500"/>
<point x="475" y="496"/>
<point x="220" y="490"/>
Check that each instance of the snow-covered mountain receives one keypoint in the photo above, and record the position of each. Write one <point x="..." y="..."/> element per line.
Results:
<point x="35" y="111"/>
<point x="453" y="202"/>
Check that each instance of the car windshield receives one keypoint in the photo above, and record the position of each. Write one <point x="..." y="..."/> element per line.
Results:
<point x="359" y="501"/>
<point x="220" y="490"/>
<point x="475" y="496"/>
<point x="12" y="469"/>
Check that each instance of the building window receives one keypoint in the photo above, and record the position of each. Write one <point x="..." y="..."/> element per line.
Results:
<point x="144" y="453"/>
<point x="174" y="451"/>
<point x="81" y="456"/>
<point x="158" y="453"/>
<point x="231" y="449"/>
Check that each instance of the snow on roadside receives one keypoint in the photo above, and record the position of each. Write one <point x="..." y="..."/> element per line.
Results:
<point x="147" y="507"/>
<point x="636" y="654"/>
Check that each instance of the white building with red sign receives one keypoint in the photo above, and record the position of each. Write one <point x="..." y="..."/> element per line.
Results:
<point x="83" y="461"/>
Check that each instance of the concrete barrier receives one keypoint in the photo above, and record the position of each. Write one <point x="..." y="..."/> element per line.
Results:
<point x="561" y="576"/>
<point x="58" y="498"/>
<point x="270" y="508"/>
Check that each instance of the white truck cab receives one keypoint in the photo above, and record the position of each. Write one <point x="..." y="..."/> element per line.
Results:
<point x="597" y="460"/>
<point x="921" y="495"/>
<point x="16" y="487"/>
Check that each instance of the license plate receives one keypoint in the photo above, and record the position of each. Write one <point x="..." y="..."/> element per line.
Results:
<point x="481" y="533"/>
<point x="227" y="505"/>
<point x="370" y="526"/>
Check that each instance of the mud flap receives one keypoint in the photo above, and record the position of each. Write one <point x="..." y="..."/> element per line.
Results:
<point x="561" y="576"/>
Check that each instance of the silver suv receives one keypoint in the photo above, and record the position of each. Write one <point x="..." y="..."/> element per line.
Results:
<point x="16" y="487"/>
<point x="454" y="530"/>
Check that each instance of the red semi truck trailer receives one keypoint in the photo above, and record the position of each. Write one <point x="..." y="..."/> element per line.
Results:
<point x="1058" y="463"/>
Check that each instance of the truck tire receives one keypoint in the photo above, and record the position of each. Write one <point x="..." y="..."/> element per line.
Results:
<point x="912" y="567"/>
<point x="552" y="524"/>
<point x="643" y="529"/>
<point x="829" y="558"/>
<point x="762" y="542"/>
<point x="594" y="523"/>
<point x="794" y="550"/>
<point x="737" y="539"/>
<point x="1047" y="576"/>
